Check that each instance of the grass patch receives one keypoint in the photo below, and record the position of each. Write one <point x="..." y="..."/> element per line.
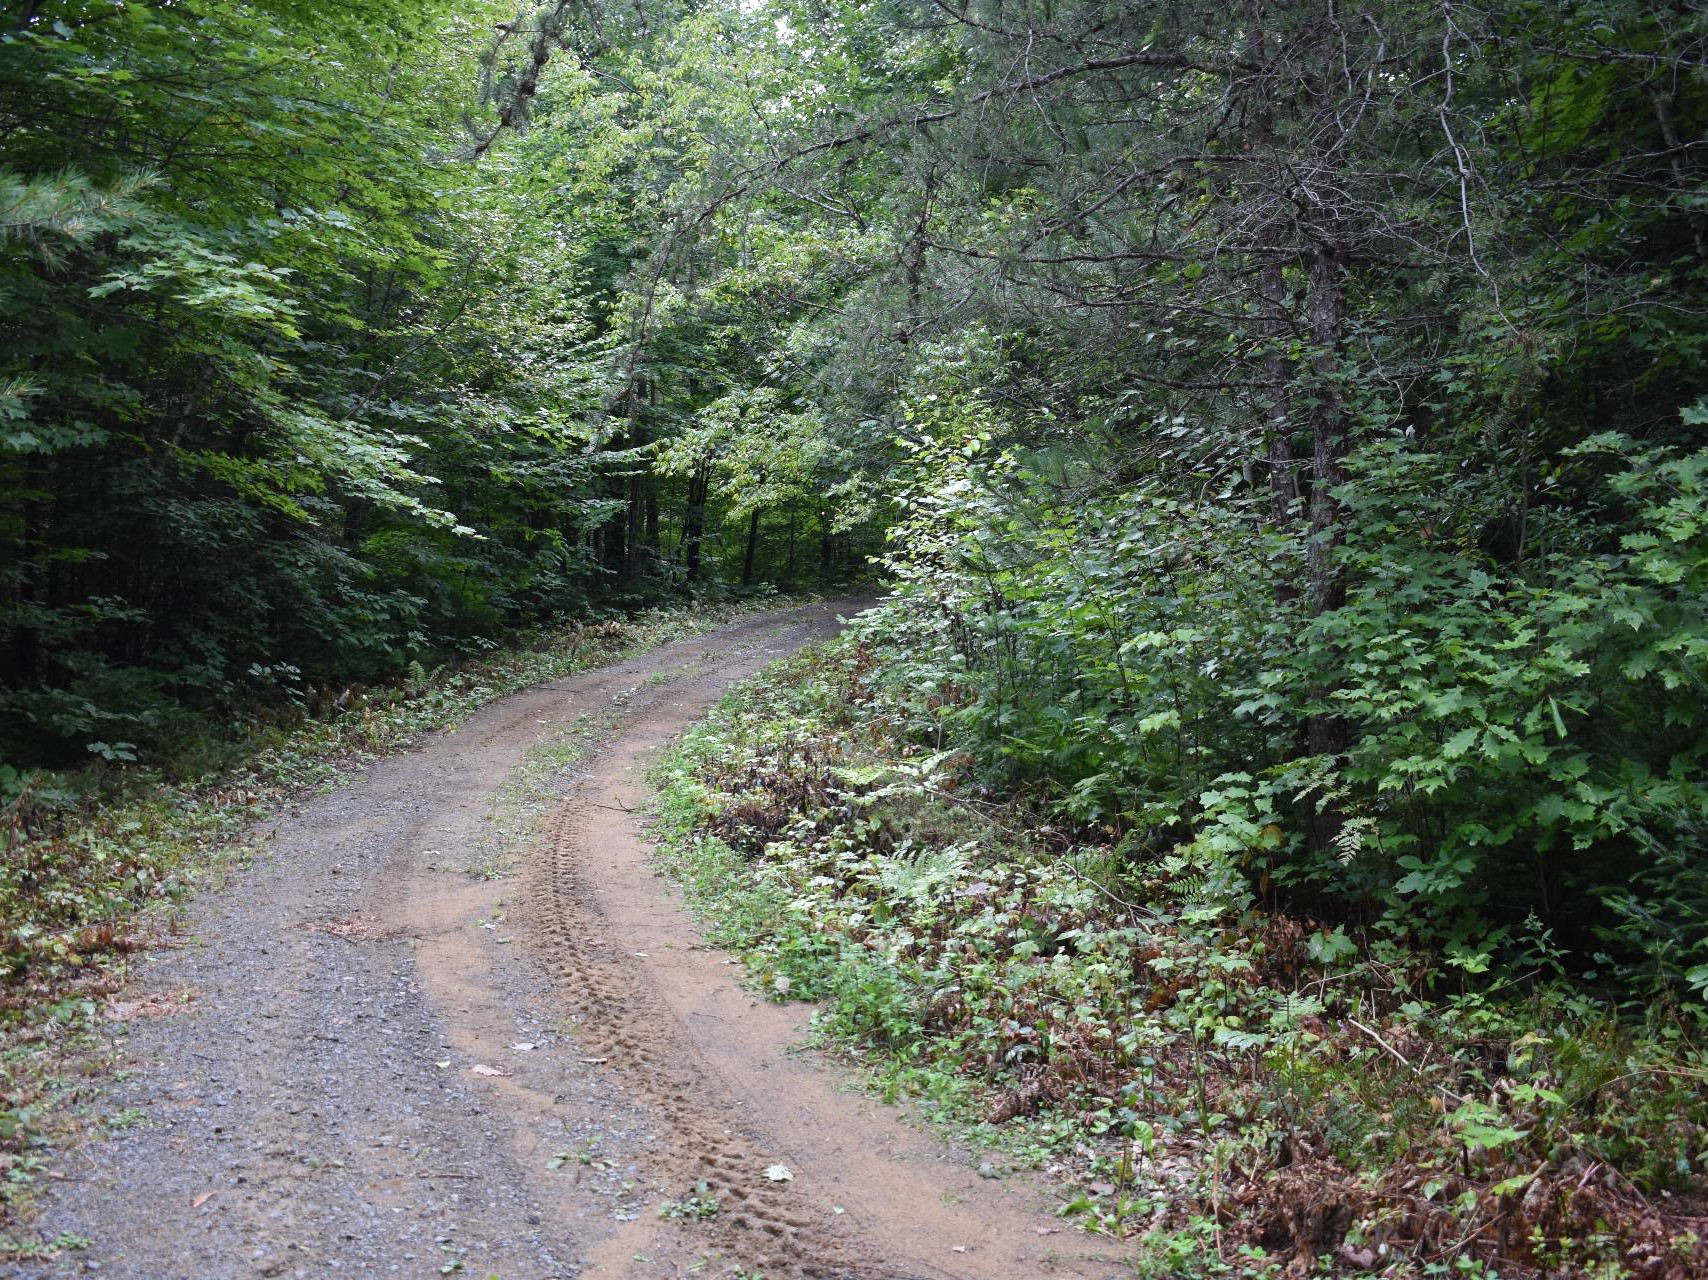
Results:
<point x="531" y="789"/>
<point x="1242" y="1093"/>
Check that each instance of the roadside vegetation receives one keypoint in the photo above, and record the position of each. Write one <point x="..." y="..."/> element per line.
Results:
<point x="1237" y="1087"/>
<point x="295" y="396"/>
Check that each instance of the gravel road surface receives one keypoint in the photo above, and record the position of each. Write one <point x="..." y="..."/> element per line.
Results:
<point x="451" y="1022"/>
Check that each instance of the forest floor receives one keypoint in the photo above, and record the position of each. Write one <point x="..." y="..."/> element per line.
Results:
<point x="451" y="1021"/>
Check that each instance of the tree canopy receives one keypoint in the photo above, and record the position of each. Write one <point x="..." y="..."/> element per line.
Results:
<point x="1280" y="421"/>
<point x="1285" y="416"/>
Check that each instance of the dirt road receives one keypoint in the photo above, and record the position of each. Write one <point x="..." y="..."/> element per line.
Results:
<point x="419" y="1036"/>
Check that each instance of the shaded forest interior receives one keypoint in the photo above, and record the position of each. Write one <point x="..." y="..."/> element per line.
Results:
<point x="1280" y="422"/>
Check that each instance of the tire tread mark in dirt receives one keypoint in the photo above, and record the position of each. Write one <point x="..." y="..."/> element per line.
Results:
<point x="631" y="1028"/>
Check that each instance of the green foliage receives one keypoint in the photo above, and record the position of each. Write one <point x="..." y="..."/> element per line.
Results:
<point x="292" y="398"/>
<point x="1090" y="643"/>
<point x="1286" y="423"/>
<point x="699" y="1206"/>
<point x="1514" y="733"/>
<point x="1288" y="588"/>
<point x="1227" y="1089"/>
<point x="1518" y="731"/>
<point x="1319" y="516"/>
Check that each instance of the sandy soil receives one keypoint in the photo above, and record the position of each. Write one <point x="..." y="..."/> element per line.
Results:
<point x="404" y="1044"/>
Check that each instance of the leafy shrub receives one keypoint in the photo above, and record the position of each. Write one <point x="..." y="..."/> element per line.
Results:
<point x="1524" y="726"/>
<point x="1220" y="1082"/>
<point x="1524" y="738"/>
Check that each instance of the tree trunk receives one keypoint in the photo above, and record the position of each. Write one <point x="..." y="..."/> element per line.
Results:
<point x="1283" y="478"/>
<point x="1325" y="732"/>
<point x="634" y="542"/>
<point x="634" y="528"/>
<point x="1329" y="428"/>
<point x="1322" y="189"/>
<point x="749" y="560"/>
<point x="914" y="269"/>
<point x="1272" y="294"/>
<point x="694" y="522"/>
<point x="615" y="556"/>
<point x="26" y="644"/>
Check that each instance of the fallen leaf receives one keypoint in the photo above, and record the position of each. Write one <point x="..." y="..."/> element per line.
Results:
<point x="1046" y="1231"/>
<point x="202" y="1199"/>
<point x="352" y="927"/>
<point x="779" y="1173"/>
<point x="481" y="1069"/>
<point x="157" y="1006"/>
<point x="959" y="1248"/>
<point x="442" y="1063"/>
<point x="523" y="1046"/>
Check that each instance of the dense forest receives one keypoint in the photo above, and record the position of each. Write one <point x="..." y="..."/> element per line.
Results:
<point x="297" y="395"/>
<point x="1278" y="424"/>
<point x="1304" y="395"/>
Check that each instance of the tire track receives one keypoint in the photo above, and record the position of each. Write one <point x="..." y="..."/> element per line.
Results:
<point x="714" y="1069"/>
<point x="625" y="1022"/>
<point x="329" y="1101"/>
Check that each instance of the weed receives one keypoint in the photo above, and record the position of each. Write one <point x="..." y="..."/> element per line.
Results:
<point x="16" y="1249"/>
<point x="586" y="1154"/>
<point x="699" y="1206"/>
<point x="128" y="1118"/>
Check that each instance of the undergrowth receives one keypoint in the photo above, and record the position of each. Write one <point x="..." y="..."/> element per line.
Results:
<point x="1241" y="1092"/>
<point x="87" y="854"/>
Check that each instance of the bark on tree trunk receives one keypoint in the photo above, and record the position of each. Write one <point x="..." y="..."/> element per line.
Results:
<point x="694" y="523"/>
<point x="914" y="270"/>
<point x="1328" y="426"/>
<point x="1283" y="479"/>
<point x="634" y="528"/>
<point x="615" y="556"/>
<point x="1272" y="300"/>
<point x="634" y="523"/>
<point x="749" y="560"/>
<point x="26" y="644"/>
<point x="1326" y="733"/>
<point x="1322" y="189"/>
